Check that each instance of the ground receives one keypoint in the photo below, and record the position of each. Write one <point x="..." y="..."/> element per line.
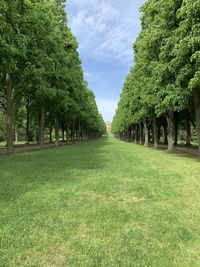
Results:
<point x="100" y="203"/>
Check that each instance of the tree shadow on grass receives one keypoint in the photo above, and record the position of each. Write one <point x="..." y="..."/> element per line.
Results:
<point x="181" y="154"/>
<point x="178" y="153"/>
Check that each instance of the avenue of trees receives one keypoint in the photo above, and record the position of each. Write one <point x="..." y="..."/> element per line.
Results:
<point x="160" y="101"/>
<point x="43" y="95"/>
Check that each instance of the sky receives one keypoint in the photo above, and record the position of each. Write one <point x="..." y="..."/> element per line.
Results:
<point x="105" y="31"/>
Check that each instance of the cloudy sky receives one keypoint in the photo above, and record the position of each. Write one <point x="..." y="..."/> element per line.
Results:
<point x="105" y="30"/>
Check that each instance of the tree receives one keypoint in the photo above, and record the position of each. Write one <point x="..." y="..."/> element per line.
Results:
<point x="165" y="75"/>
<point x="41" y="72"/>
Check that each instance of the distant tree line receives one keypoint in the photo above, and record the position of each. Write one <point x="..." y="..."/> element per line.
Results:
<point x="43" y="94"/>
<point x="160" y="101"/>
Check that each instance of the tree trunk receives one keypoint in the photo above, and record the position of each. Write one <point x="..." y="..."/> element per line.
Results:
<point x="28" y="121"/>
<point x="79" y="130"/>
<point x="67" y="131"/>
<point x="135" y="131"/>
<point x="188" y="128"/>
<point x="170" y="123"/>
<point x="165" y="132"/>
<point x="141" y="133"/>
<point x="149" y="134"/>
<point x="50" y="132"/>
<point x="196" y="102"/>
<point x="82" y="132"/>
<point x="132" y="133"/>
<point x="146" y="133"/>
<point x="63" y="132"/>
<point x="176" y="121"/>
<point x="42" y="126"/>
<point x="155" y="132"/>
<point x="86" y="132"/>
<point x="73" y="131"/>
<point x="9" y="118"/>
<point x="159" y="132"/>
<point x="129" y="134"/>
<point x="57" y="131"/>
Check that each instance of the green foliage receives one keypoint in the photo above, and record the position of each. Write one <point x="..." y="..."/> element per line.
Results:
<point x="39" y="52"/>
<point x="166" y="68"/>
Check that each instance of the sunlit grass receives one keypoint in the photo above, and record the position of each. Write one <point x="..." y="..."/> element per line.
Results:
<point x="101" y="203"/>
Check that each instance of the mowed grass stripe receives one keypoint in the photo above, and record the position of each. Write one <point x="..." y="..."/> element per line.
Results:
<point x="100" y="203"/>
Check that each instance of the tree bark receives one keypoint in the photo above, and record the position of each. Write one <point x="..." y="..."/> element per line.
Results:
<point x="165" y="132"/>
<point x="57" y="131"/>
<point x="28" y="121"/>
<point x="42" y="126"/>
<point x="196" y="102"/>
<point x="170" y="128"/>
<point x="146" y="133"/>
<point x="73" y="131"/>
<point x="155" y="132"/>
<point x="79" y="130"/>
<point x="188" y="128"/>
<point x="50" y="132"/>
<point x="9" y="115"/>
<point x="67" y="132"/>
<point x="176" y="122"/>
<point x="149" y="134"/>
<point x="141" y="133"/>
<point x="132" y="133"/>
<point x="82" y="132"/>
<point x="85" y="133"/>
<point x="129" y="134"/>
<point x="63" y="132"/>
<point x="135" y="131"/>
<point x="159" y="132"/>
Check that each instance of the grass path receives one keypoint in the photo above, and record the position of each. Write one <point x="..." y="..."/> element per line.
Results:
<point x="101" y="203"/>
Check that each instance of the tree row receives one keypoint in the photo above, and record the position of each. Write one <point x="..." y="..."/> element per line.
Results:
<point x="43" y="95"/>
<point x="160" y="101"/>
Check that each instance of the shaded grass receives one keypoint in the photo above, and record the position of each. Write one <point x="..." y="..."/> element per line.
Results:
<point x="101" y="203"/>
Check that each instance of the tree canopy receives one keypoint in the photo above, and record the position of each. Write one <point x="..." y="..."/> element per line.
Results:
<point x="162" y="89"/>
<point x="42" y="84"/>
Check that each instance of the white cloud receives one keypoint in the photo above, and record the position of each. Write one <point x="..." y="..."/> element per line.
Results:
<point x="105" y="29"/>
<point x="91" y="77"/>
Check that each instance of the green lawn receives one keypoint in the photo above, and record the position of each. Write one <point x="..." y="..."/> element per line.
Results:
<point x="102" y="203"/>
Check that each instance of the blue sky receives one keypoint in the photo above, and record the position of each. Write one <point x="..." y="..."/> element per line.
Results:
<point x="106" y="31"/>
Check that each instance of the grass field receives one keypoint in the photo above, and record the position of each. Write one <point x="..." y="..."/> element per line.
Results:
<point x="102" y="203"/>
